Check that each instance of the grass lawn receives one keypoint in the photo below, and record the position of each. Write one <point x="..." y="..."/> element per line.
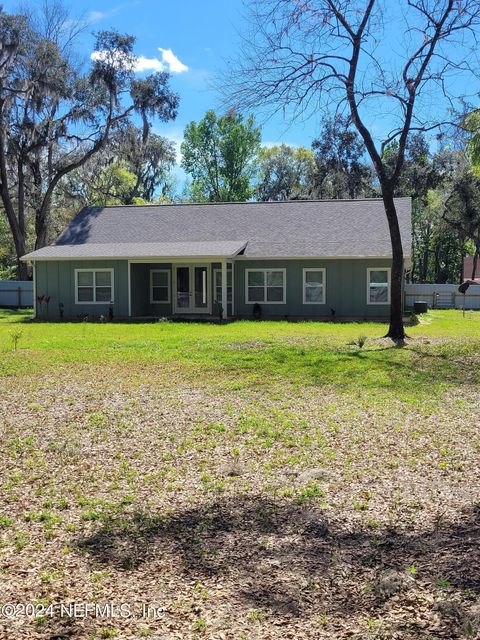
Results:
<point x="251" y="480"/>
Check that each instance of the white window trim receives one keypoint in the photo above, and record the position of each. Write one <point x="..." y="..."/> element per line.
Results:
<point x="169" y="297"/>
<point x="284" y="301"/>
<point x="389" y="279"/>
<point x="215" y="271"/>
<point x="324" y="285"/>
<point x="103" y="270"/>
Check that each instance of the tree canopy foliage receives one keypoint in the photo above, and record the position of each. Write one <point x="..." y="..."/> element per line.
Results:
<point x="286" y="173"/>
<point x="341" y="169"/>
<point x="54" y="117"/>
<point x="220" y="153"/>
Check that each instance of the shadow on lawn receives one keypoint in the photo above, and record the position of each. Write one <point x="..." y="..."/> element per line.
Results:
<point x="289" y="560"/>
<point x="415" y="368"/>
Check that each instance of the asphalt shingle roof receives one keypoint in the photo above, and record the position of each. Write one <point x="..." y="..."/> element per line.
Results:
<point x="143" y="250"/>
<point x="323" y="228"/>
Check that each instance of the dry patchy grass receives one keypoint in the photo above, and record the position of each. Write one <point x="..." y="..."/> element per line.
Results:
<point x="252" y="480"/>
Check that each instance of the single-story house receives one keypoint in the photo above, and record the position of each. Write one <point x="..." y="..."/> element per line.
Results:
<point x="295" y="259"/>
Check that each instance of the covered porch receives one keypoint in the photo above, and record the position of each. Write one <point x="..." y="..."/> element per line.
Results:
<point x="184" y="286"/>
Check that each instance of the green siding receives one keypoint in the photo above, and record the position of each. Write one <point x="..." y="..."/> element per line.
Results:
<point x="346" y="289"/>
<point x="140" y="283"/>
<point x="57" y="280"/>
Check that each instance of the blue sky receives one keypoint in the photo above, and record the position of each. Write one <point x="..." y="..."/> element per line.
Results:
<point x="201" y="34"/>
<point x="194" y="39"/>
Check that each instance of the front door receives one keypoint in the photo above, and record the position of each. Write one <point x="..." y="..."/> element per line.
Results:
<point x="192" y="289"/>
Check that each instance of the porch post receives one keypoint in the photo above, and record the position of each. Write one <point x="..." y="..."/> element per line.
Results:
<point x="224" y="289"/>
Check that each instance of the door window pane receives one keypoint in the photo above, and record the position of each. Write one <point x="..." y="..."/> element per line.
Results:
<point x="200" y="283"/>
<point x="183" y="287"/>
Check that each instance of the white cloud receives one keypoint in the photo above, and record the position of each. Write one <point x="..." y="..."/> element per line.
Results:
<point x="169" y="61"/>
<point x="173" y="63"/>
<point x="96" y="16"/>
<point x="148" y="64"/>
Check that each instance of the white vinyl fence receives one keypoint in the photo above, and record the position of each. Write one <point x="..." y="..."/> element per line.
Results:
<point x="442" y="296"/>
<point x="16" y="293"/>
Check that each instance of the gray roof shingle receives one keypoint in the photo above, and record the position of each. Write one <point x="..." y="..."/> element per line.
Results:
<point x="141" y="250"/>
<point x="301" y="228"/>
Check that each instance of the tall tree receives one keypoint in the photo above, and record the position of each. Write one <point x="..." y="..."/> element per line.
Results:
<point x="341" y="170"/>
<point x="337" y="55"/>
<point x="127" y="171"/>
<point x="54" y="118"/>
<point x="99" y="184"/>
<point x="420" y="176"/>
<point x="220" y="153"/>
<point x="462" y="211"/>
<point x="149" y="159"/>
<point x="286" y="173"/>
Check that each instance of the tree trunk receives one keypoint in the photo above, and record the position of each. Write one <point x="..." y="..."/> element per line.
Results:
<point x="40" y="229"/>
<point x="396" y="330"/>
<point x="22" y="268"/>
<point x="437" y="263"/>
<point x="19" y="242"/>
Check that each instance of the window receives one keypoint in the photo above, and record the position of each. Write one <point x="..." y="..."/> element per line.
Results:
<point x="314" y="286"/>
<point x="159" y="285"/>
<point x="217" y="279"/>
<point x="265" y="285"/>
<point x="378" y="286"/>
<point x="93" y="286"/>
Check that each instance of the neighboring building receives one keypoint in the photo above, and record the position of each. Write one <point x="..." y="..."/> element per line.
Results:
<point x="468" y="268"/>
<point x="296" y="259"/>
